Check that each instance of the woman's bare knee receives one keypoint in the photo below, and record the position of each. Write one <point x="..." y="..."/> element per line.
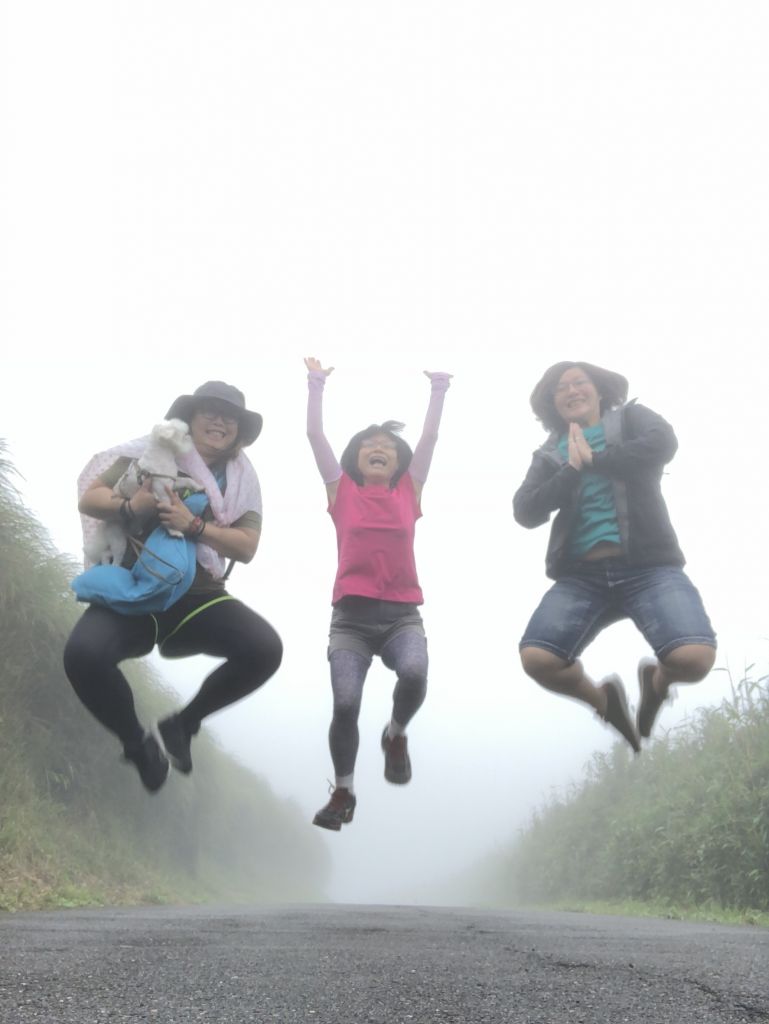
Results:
<point x="541" y="665"/>
<point x="690" y="663"/>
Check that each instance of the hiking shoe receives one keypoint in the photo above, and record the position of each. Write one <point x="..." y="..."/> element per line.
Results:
<point x="650" y="701"/>
<point x="338" y="811"/>
<point x="397" y="762"/>
<point x="150" y="762"/>
<point x="176" y="740"/>
<point x="617" y="712"/>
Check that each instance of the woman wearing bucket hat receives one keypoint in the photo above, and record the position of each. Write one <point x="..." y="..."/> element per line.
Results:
<point x="613" y="553"/>
<point x="206" y="620"/>
<point x="374" y="495"/>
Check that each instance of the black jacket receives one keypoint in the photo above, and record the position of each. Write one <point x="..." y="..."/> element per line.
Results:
<point x="638" y="444"/>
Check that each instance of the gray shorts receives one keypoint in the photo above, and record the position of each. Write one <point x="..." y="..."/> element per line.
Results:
<point x="365" y="624"/>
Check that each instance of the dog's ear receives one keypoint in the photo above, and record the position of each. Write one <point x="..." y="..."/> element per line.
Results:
<point x="162" y="431"/>
<point x="170" y="432"/>
<point x="179" y="437"/>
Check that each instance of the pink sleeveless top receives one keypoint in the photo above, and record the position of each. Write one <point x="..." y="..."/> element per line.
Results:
<point x="375" y="540"/>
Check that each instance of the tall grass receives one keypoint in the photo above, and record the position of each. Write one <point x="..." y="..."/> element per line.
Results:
<point x="75" y="823"/>
<point x="687" y="823"/>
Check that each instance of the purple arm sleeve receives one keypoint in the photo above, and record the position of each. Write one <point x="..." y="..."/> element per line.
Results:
<point x="423" y="453"/>
<point x="326" y="461"/>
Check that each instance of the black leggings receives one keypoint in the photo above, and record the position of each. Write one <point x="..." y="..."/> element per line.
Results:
<point x="224" y="629"/>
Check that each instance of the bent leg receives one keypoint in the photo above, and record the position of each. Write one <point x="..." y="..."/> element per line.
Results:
<point x="230" y="630"/>
<point x="569" y="679"/>
<point x="100" y="640"/>
<point x="348" y="674"/>
<point x="689" y="663"/>
<point x="668" y="610"/>
<point x="561" y="676"/>
<point x="569" y="616"/>
<point x="406" y="655"/>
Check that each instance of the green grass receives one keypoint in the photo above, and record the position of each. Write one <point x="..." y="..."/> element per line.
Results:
<point x="76" y="826"/>
<point x="682" y="831"/>
<point x="706" y="913"/>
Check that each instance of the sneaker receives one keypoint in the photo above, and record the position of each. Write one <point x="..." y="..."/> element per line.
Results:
<point x="338" y="811"/>
<point x="617" y="712"/>
<point x="650" y="701"/>
<point x="397" y="767"/>
<point x="150" y="762"/>
<point x="177" y="741"/>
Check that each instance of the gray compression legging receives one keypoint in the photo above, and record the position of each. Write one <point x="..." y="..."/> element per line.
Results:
<point x="406" y="654"/>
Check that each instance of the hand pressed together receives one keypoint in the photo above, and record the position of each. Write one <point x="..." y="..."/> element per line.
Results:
<point x="580" y="452"/>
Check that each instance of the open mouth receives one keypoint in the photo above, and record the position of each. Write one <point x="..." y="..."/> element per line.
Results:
<point x="378" y="460"/>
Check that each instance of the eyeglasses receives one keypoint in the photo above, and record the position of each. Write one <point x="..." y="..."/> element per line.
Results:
<point x="566" y="386"/>
<point x="213" y="412"/>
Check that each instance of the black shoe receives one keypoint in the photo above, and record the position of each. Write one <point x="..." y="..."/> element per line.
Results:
<point x="338" y="811"/>
<point x="617" y="712"/>
<point x="650" y="701"/>
<point x="397" y="767"/>
<point x="176" y="740"/>
<point x="150" y="762"/>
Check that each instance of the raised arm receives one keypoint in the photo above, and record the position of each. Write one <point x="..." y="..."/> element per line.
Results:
<point x="423" y="453"/>
<point x="326" y="461"/>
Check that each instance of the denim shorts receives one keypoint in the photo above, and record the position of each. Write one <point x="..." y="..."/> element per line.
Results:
<point x="661" y="600"/>
<point x="365" y="624"/>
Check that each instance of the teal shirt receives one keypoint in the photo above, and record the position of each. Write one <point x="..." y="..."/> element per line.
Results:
<point x="596" y="520"/>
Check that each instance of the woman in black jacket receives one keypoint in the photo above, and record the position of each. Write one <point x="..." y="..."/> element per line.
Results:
<point x="613" y="552"/>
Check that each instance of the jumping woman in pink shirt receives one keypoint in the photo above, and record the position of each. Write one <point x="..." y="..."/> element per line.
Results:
<point x="374" y="501"/>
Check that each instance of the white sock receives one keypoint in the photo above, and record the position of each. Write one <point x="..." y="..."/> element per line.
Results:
<point x="345" y="782"/>
<point x="394" y="729"/>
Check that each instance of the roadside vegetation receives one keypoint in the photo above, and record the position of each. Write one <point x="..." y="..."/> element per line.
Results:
<point x="681" y="831"/>
<point x="76" y="826"/>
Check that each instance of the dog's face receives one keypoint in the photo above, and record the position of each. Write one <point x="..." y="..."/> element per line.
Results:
<point x="173" y="434"/>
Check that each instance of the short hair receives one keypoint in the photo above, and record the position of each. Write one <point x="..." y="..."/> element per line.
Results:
<point x="392" y="429"/>
<point x="612" y="388"/>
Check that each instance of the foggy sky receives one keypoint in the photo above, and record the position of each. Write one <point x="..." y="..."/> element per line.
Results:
<point x="195" y="191"/>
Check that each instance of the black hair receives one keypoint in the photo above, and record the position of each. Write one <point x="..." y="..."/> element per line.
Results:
<point x="611" y="387"/>
<point x="391" y="429"/>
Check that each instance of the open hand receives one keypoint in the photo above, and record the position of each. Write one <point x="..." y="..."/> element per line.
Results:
<point x="313" y="365"/>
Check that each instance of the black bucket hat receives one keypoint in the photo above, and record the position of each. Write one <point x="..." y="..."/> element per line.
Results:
<point x="250" y="423"/>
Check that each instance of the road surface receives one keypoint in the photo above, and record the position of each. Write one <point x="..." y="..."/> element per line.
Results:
<point x="375" y="965"/>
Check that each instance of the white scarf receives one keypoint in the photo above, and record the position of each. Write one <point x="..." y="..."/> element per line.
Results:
<point x="242" y="493"/>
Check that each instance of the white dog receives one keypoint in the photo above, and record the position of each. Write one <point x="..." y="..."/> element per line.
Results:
<point x="168" y="439"/>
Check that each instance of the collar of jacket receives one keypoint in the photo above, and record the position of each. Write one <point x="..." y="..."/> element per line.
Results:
<point x="613" y="422"/>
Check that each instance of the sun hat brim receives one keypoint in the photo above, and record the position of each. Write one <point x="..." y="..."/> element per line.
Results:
<point x="249" y="423"/>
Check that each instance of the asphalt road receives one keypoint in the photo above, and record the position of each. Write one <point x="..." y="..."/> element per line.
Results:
<point x="339" y="964"/>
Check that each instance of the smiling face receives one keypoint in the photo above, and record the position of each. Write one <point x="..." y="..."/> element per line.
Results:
<point x="378" y="459"/>
<point x="576" y="398"/>
<point x="214" y="429"/>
